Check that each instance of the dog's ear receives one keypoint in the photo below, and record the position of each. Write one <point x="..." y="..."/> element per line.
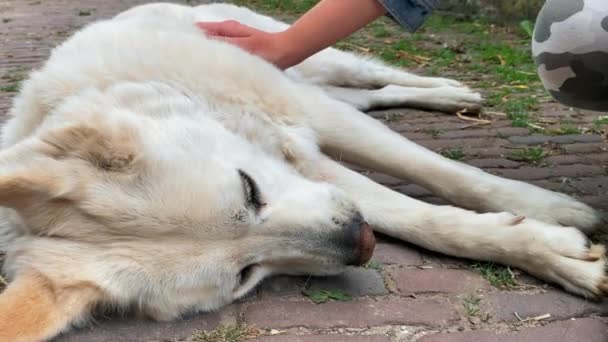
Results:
<point x="111" y="149"/>
<point x="34" y="308"/>
<point x="50" y="167"/>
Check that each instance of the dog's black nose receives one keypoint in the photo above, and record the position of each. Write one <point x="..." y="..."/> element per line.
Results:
<point x="364" y="240"/>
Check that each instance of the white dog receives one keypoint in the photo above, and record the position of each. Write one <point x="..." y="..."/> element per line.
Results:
<point x="147" y="166"/>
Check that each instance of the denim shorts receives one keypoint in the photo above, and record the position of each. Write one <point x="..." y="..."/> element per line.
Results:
<point x="410" y="14"/>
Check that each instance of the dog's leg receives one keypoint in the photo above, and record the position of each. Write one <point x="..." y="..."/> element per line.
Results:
<point x="445" y="99"/>
<point x="353" y="136"/>
<point x="34" y="308"/>
<point x="345" y="69"/>
<point x="367" y="83"/>
<point x="557" y="254"/>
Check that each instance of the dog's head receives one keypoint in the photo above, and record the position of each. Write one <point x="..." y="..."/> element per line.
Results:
<point x="171" y="213"/>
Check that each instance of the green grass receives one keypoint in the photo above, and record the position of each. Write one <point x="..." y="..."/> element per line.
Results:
<point x="232" y="333"/>
<point x="471" y="305"/>
<point x="518" y="111"/>
<point x="322" y="296"/>
<point x="603" y="120"/>
<point x="531" y="155"/>
<point x="374" y="265"/>
<point x="565" y="130"/>
<point x="392" y="117"/>
<point x="13" y="77"/>
<point x="16" y="74"/>
<point x="527" y="27"/>
<point x="380" y="31"/>
<point x="282" y="6"/>
<point x="10" y="88"/>
<point x="497" y="275"/>
<point x="433" y="132"/>
<point x="600" y="125"/>
<point x="454" y="154"/>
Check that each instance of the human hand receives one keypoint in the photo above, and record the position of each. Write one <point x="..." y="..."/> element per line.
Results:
<point x="273" y="47"/>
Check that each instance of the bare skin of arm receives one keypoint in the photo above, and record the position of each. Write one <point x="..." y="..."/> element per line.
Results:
<point x="324" y="25"/>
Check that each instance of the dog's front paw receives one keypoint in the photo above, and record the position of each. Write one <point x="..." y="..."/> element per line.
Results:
<point x="545" y="205"/>
<point x="564" y="255"/>
<point x="454" y="99"/>
<point x="437" y="82"/>
<point x="560" y="255"/>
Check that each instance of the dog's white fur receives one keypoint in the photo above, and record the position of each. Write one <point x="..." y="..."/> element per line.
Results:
<point x="120" y="185"/>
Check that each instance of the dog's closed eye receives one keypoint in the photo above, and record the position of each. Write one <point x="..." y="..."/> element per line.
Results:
<point x="252" y="192"/>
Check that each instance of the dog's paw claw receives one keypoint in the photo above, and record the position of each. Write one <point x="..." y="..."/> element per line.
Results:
<point x="595" y="253"/>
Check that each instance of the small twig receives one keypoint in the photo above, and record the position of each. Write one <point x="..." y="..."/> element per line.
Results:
<point x="509" y="268"/>
<point x="547" y="121"/>
<point x="473" y="125"/>
<point x="541" y="317"/>
<point x="536" y="126"/>
<point x="460" y="115"/>
<point x="415" y="58"/>
<point x="537" y="318"/>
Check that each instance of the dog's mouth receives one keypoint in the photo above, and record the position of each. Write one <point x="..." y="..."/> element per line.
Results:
<point x="249" y="277"/>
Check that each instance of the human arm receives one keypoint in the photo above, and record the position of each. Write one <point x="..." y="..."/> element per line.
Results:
<point x="322" y="26"/>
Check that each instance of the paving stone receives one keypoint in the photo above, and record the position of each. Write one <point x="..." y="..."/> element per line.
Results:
<point x="528" y="173"/>
<point x="437" y="280"/>
<point x="583" y="330"/>
<point x="136" y="330"/>
<point x="559" y="139"/>
<point x="356" y="314"/>
<point x="486" y="152"/>
<point x="562" y="185"/>
<point x="282" y="285"/>
<point x="460" y="143"/>
<point x="397" y="253"/>
<point x="494" y="163"/>
<point x="356" y="281"/>
<point x="509" y="131"/>
<point x="598" y="158"/>
<point x="557" y="303"/>
<point x="323" y="338"/>
<point x="585" y="148"/>
<point x="565" y="159"/>
<point x="593" y="185"/>
<point x="476" y="133"/>
<point x="598" y="202"/>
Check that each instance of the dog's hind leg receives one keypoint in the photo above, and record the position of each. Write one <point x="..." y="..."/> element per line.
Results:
<point x="445" y="99"/>
<point x="353" y="136"/>
<point x="367" y="83"/>
<point x="345" y="69"/>
<point x="35" y="308"/>
<point x="557" y="254"/>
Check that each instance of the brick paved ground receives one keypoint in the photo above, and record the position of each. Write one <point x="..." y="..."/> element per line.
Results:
<point x="408" y="294"/>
